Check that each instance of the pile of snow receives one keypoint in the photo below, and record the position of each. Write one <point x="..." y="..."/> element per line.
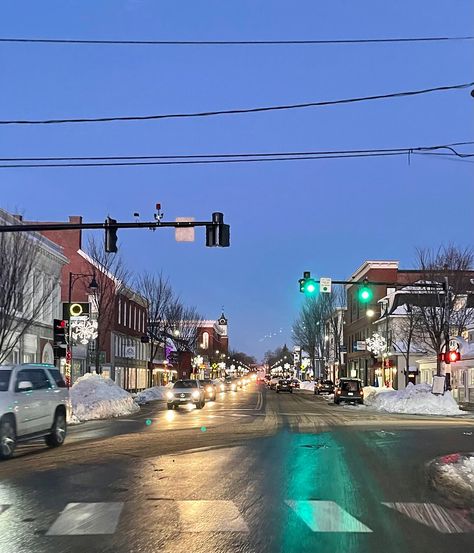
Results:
<point x="414" y="399"/>
<point x="307" y="385"/>
<point x="152" y="394"/>
<point x="453" y="477"/>
<point x="95" y="397"/>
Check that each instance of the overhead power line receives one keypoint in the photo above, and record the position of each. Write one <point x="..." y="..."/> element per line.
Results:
<point x="203" y="159"/>
<point x="235" y="111"/>
<point x="234" y="42"/>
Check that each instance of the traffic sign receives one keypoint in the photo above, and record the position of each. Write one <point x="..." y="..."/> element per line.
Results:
<point x="325" y="285"/>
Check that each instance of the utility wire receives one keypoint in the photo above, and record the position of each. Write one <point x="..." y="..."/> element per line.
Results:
<point x="234" y="42"/>
<point x="404" y="150"/>
<point x="213" y="161"/>
<point x="237" y="111"/>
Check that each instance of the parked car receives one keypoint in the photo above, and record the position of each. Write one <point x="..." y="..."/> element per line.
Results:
<point x="210" y="389"/>
<point x="349" y="389"/>
<point x="33" y="404"/>
<point x="324" y="387"/>
<point x="284" y="385"/>
<point x="184" y="392"/>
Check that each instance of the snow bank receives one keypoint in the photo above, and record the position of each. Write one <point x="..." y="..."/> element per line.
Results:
<point x="96" y="397"/>
<point x="152" y="394"/>
<point x="307" y="385"/>
<point x="453" y="477"/>
<point x="414" y="399"/>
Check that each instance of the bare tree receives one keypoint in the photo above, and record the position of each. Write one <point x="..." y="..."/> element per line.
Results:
<point x="24" y="293"/>
<point x="444" y="284"/>
<point x="157" y="291"/>
<point x="332" y="304"/>
<point x="308" y="329"/>
<point x="111" y="276"/>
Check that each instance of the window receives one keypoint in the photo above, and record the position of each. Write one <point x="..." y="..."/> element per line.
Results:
<point x="119" y="311"/>
<point x="58" y="377"/>
<point x="36" y="376"/>
<point x="4" y="380"/>
<point x="205" y="340"/>
<point x="124" y="313"/>
<point x="134" y="317"/>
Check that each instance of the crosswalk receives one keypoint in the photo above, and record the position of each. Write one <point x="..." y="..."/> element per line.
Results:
<point x="221" y="516"/>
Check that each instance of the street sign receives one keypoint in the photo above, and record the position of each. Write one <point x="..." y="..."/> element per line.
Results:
<point x="184" y="234"/>
<point x="130" y="352"/>
<point x="325" y="285"/>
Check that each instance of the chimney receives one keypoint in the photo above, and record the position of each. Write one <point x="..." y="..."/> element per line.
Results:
<point x="77" y="219"/>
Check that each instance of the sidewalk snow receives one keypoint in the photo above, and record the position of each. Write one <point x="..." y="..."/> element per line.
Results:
<point x="152" y="394"/>
<point x="307" y="385"/>
<point x="414" y="400"/>
<point x="95" y="397"/>
<point x="453" y="477"/>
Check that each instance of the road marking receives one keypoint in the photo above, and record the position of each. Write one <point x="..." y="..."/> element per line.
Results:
<point x="326" y="516"/>
<point x="79" y="519"/>
<point x="210" y="516"/>
<point x="441" y="519"/>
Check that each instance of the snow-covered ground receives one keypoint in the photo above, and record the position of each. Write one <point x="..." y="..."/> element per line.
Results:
<point x="414" y="399"/>
<point x="453" y="476"/>
<point x="307" y="385"/>
<point x="152" y="394"/>
<point x="95" y="397"/>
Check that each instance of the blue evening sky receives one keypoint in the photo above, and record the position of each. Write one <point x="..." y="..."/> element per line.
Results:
<point x="326" y="216"/>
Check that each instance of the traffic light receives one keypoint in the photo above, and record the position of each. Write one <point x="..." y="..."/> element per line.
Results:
<point x="452" y="356"/>
<point x="307" y="284"/>
<point x="218" y="234"/>
<point x="59" y="337"/>
<point x="111" y="235"/>
<point x="365" y="293"/>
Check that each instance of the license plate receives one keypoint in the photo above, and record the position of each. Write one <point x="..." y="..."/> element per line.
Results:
<point x="350" y="394"/>
<point x="181" y="399"/>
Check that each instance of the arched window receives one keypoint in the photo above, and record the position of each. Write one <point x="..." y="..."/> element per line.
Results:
<point x="205" y="340"/>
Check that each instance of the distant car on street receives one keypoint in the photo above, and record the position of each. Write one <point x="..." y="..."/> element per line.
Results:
<point x="295" y="383"/>
<point x="230" y="384"/>
<point x="349" y="389"/>
<point x="33" y="403"/>
<point x="273" y="382"/>
<point x="324" y="387"/>
<point x="210" y="389"/>
<point x="284" y="385"/>
<point x="184" y="392"/>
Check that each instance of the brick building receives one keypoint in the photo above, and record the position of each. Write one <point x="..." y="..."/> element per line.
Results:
<point x="213" y="341"/>
<point x="359" y="317"/>
<point x="121" y="354"/>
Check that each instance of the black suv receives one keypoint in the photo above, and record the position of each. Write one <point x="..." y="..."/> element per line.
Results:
<point x="349" y="389"/>
<point x="284" y="386"/>
<point x="324" y="387"/>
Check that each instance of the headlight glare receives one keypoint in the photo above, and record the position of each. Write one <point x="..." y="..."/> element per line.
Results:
<point x="195" y="394"/>
<point x="169" y="395"/>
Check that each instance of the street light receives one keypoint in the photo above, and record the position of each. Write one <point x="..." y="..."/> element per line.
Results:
<point x="370" y="312"/>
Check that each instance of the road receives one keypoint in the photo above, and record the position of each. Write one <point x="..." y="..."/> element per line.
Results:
<point x="253" y="472"/>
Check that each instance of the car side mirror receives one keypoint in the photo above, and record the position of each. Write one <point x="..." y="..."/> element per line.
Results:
<point x="25" y="386"/>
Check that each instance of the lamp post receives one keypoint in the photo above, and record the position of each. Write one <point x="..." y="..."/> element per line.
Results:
<point x="73" y="278"/>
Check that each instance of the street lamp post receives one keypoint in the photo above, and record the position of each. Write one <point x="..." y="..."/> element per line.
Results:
<point x="73" y="278"/>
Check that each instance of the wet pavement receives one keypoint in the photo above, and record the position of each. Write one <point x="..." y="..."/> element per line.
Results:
<point x="252" y="472"/>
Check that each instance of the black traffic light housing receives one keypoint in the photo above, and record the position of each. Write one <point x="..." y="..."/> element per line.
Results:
<point x="218" y="234"/>
<point x="60" y="330"/>
<point x="110" y="235"/>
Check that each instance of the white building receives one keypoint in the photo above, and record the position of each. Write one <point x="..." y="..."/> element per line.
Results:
<point x="30" y="338"/>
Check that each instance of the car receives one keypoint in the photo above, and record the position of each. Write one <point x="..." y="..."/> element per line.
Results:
<point x="284" y="385"/>
<point x="324" y="387"/>
<point x="185" y="392"/>
<point x="34" y="403"/>
<point x="295" y="383"/>
<point x="349" y="389"/>
<point x="273" y="382"/>
<point x="230" y="384"/>
<point x="210" y="389"/>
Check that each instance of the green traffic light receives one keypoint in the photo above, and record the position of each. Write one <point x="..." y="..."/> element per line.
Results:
<point x="310" y="287"/>
<point x="365" y="294"/>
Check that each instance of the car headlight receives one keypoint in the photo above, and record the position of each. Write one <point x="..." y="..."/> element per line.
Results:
<point x="222" y="388"/>
<point x="209" y="389"/>
<point x="195" y="394"/>
<point x="169" y="395"/>
<point x="233" y="387"/>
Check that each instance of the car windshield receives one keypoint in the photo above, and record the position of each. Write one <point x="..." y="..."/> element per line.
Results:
<point x="185" y="384"/>
<point x="4" y="379"/>
<point x="328" y="382"/>
<point x="350" y="385"/>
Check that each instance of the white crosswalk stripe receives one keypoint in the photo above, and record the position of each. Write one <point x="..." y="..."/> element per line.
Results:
<point x="441" y="519"/>
<point x="210" y="516"/>
<point x="87" y="519"/>
<point x="326" y="516"/>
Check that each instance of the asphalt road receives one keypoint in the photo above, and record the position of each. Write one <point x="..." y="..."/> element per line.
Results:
<point x="252" y="472"/>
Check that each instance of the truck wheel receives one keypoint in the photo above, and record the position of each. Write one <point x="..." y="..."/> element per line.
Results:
<point x="7" y="438"/>
<point x="58" y="431"/>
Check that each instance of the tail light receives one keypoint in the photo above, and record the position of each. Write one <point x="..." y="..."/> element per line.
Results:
<point x="361" y="392"/>
<point x="338" y="391"/>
